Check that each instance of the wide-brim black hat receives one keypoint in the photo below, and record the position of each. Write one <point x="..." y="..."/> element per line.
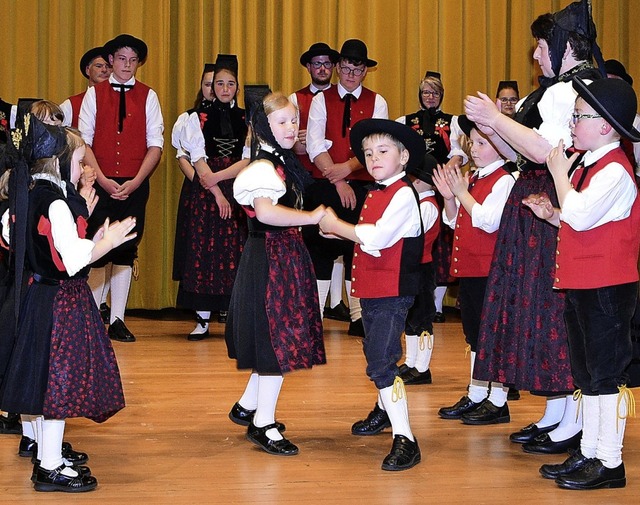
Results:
<point x="424" y="171"/>
<point x="614" y="67"/>
<point x="614" y="100"/>
<point x="319" y="49"/>
<point x="356" y="50"/>
<point x="465" y="124"/>
<point x="91" y="55"/>
<point x="412" y="141"/>
<point x="126" y="40"/>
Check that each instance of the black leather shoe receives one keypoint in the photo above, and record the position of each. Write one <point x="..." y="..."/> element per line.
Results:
<point x="54" y="480"/>
<point x="487" y="413"/>
<point x="403" y="369"/>
<point x="462" y="406"/>
<point x="572" y="464"/>
<point x="356" y="328"/>
<point x="594" y="475"/>
<point x="439" y="318"/>
<point x="529" y="432"/>
<point x="376" y="421"/>
<point x="118" y="331"/>
<point x="339" y="313"/>
<point x="543" y="444"/>
<point x="27" y="447"/>
<point x="10" y="424"/>
<point x="73" y="457"/>
<point x="513" y="395"/>
<point x="82" y="470"/>
<point x="200" y="321"/>
<point x="404" y="454"/>
<point x="244" y="417"/>
<point x="414" y="377"/>
<point x="276" y="447"/>
<point x="105" y="313"/>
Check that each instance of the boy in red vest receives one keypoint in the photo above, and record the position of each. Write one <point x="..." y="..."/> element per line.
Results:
<point x="473" y="207"/>
<point x="385" y="274"/>
<point x="596" y="263"/>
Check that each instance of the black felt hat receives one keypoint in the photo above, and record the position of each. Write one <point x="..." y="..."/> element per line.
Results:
<point x="319" y="49"/>
<point x="91" y="55"/>
<point x="412" y="141"/>
<point x="126" y="40"/>
<point x="356" y="50"/>
<point x="614" y="67"/>
<point x="614" y="100"/>
<point x="465" y="124"/>
<point x="424" y="171"/>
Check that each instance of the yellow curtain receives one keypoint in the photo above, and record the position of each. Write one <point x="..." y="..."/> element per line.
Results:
<point x="473" y="43"/>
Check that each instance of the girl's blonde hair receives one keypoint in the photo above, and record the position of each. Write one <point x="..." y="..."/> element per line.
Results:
<point x="47" y="112"/>
<point x="275" y="101"/>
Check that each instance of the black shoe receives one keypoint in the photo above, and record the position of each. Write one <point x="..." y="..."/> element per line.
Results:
<point x="594" y="475"/>
<point x="529" y="432"/>
<point x="462" y="406"/>
<point x="513" y="395"/>
<point x="543" y="444"/>
<point x="222" y="316"/>
<point x="54" y="480"/>
<point x="276" y="447"/>
<point x="404" y="454"/>
<point x="487" y="413"/>
<point x="105" y="313"/>
<point x="339" y="313"/>
<point x="244" y="417"/>
<point x="118" y="331"/>
<point x="572" y="464"/>
<point x="73" y="457"/>
<point x="414" y="377"/>
<point x="356" y="328"/>
<point x="10" y="424"/>
<point x="376" y="421"/>
<point x="82" y="470"/>
<point x="200" y="321"/>
<point x="27" y="447"/>
<point x="439" y="318"/>
<point x="403" y="369"/>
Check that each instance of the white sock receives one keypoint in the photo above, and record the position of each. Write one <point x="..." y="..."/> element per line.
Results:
<point x="394" y="399"/>
<point x="38" y="431"/>
<point x="268" y="392"/>
<point x="411" y="342"/>
<point x="199" y="329"/>
<point x="498" y="395"/>
<point x="571" y="422"/>
<point x="108" y="271"/>
<point x="51" y="443"/>
<point x="553" y="411"/>
<point x="323" y="291"/>
<point x="425" y="348"/>
<point x="590" y="425"/>
<point x="28" y="426"/>
<point x="379" y="401"/>
<point x="354" y="303"/>
<point x="613" y="421"/>
<point x="120" y="284"/>
<point x="438" y="297"/>
<point x="96" y="283"/>
<point x="478" y="390"/>
<point x="337" y="281"/>
<point x="249" y="399"/>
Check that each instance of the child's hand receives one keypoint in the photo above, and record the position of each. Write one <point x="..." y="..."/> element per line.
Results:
<point x="89" y="194"/>
<point x="540" y="204"/>
<point x="88" y="177"/>
<point x="457" y="182"/>
<point x="328" y="221"/>
<point x="317" y="214"/>
<point x="441" y="184"/>
<point x="119" y="232"/>
<point x="558" y="163"/>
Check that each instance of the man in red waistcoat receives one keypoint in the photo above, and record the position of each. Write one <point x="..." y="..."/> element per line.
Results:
<point x="121" y="122"/>
<point x="341" y="179"/>
<point x="95" y="67"/>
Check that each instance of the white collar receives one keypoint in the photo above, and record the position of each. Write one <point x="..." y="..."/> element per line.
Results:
<point x="490" y="168"/>
<point x="590" y="157"/>
<point x="53" y="179"/>
<point x="343" y="91"/>
<point x="391" y="180"/>
<point x="130" y="82"/>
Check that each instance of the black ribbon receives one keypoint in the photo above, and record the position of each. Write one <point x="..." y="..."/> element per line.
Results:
<point x="123" y="103"/>
<point x="346" y="115"/>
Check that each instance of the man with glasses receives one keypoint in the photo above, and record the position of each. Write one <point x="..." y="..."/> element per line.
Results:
<point x="340" y="178"/>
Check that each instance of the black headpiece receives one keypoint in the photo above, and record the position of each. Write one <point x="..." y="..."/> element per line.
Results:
<point x="91" y="55"/>
<point x="614" y="67"/>
<point x="319" y="49"/>
<point x="126" y="40"/>
<point x="507" y="85"/>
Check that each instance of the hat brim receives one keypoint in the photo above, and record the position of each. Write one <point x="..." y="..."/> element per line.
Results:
<point x="89" y="56"/>
<point x="367" y="62"/>
<point x="424" y="171"/>
<point x="583" y="91"/>
<point x="333" y="55"/>
<point x="465" y="124"/>
<point x="411" y="140"/>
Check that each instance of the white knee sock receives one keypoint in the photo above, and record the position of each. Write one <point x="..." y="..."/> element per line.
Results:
<point x="553" y="411"/>
<point x="268" y="392"/>
<point x="28" y="426"/>
<point x="498" y="394"/>
<point x="200" y="329"/>
<point x="438" y="297"/>
<point x="395" y="403"/>
<point x="425" y="348"/>
<point x="96" y="282"/>
<point x="571" y="422"/>
<point x="108" y="272"/>
<point x="590" y="425"/>
<point x="411" y="342"/>
<point x="354" y="303"/>
<point x="38" y="431"/>
<point x="323" y="291"/>
<point x="478" y="390"/>
<point x="337" y="281"/>
<point x="614" y="410"/>
<point x="249" y="399"/>
<point x="120" y="284"/>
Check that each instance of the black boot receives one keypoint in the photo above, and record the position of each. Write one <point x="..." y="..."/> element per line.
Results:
<point x="376" y="421"/>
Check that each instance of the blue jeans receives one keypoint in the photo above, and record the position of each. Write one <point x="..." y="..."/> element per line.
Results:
<point x="598" y="324"/>
<point x="384" y="320"/>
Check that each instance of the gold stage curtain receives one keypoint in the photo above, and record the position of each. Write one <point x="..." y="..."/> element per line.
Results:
<point x="473" y="43"/>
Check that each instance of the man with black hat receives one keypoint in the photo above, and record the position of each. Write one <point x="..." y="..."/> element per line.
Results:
<point x="95" y="67"/>
<point x="340" y="178"/>
<point x="121" y="122"/>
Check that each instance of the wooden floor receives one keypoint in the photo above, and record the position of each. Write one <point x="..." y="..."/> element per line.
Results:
<point x="174" y="443"/>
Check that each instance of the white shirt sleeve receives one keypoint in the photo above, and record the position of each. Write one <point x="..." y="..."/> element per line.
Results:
<point x="74" y="251"/>
<point x="187" y="137"/>
<point x="636" y="146"/>
<point x="429" y="215"/>
<point x="487" y="215"/>
<point x="5" y="227"/>
<point x="556" y="107"/>
<point x="380" y="108"/>
<point x="67" y="110"/>
<point x="317" y="128"/>
<point x="402" y="120"/>
<point x="87" y="116"/>
<point x="456" y="149"/>
<point x="155" y="123"/>
<point x="258" y="180"/>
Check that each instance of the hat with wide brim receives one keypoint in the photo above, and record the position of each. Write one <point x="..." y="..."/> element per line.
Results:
<point x="465" y="124"/>
<point x="91" y="55"/>
<point x="412" y="141"/>
<point x="614" y="67"/>
<point x="424" y="171"/>
<point x="319" y="49"/>
<point x="614" y="100"/>
<point x="126" y="40"/>
<point x="356" y="50"/>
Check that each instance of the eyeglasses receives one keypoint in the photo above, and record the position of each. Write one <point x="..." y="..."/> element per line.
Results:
<point x="577" y="117"/>
<point x="355" y="71"/>
<point x="320" y="64"/>
<point x="505" y="99"/>
<point x="434" y="94"/>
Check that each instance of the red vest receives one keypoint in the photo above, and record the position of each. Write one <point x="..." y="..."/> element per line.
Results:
<point x="473" y="247"/>
<point x="304" y="97"/>
<point x="606" y="255"/>
<point x="120" y="154"/>
<point x="362" y="108"/>
<point x="76" y="103"/>
<point x="431" y="234"/>
<point x="395" y="272"/>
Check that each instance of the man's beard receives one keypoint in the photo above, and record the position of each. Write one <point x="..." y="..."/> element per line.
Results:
<point x="320" y="83"/>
